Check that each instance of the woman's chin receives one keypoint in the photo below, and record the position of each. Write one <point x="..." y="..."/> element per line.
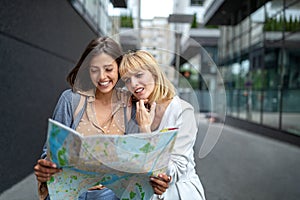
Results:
<point x="104" y="89"/>
<point x="141" y="97"/>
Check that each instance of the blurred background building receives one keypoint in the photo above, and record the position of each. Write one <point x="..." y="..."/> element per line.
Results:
<point x="258" y="58"/>
<point x="253" y="44"/>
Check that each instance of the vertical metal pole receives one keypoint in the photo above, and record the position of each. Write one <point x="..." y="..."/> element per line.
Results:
<point x="282" y="67"/>
<point x="249" y="100"/>
<point x="177" y="64"/>
<point x="139" y="23"/>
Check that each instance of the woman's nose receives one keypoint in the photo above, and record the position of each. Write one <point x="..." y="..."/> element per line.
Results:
<point x="133" y="82"/>
<point x="101" y="74"/>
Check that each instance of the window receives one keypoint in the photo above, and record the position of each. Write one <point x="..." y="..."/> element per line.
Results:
<point x="197" y="2"/>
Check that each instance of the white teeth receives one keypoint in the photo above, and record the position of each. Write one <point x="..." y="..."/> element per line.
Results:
<point x="139" y="90"/>
<point x="104" y="83"/>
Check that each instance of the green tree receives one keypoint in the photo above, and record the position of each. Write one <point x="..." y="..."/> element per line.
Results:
<point x="127" y="21"/>
<point x="194" y="23"/>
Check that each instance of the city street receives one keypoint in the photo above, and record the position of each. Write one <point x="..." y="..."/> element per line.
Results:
<point x="238" y="59"/>
<point x="247" y="166"/>
<point x="242" y="165"/>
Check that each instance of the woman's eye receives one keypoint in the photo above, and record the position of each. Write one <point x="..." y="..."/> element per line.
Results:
<point x="94" y="70"/>
<point x="127" y="80"/>
<point x="139" y="75"/>
<point x="109" y="69"/>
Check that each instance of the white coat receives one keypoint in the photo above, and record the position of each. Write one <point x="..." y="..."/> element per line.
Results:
<point x="185" y="184"/>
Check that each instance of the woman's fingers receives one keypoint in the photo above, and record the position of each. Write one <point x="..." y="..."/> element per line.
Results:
<point x="42" y="177"/>
<point x="157" y="190"/>
<point x="165" y="177"/>
<point x="46" y="163"/>
<point x="160" y="184"/>
<point x="141" y="111"/>
<point x="46" y="166"/>
<point x="145" y="116"/>
<point x="142" y="105"/>
<point x="137" y="107"/>
<point x="44" y="169"/>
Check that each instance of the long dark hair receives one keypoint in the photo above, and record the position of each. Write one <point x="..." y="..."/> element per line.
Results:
<point x="95" y="47"/>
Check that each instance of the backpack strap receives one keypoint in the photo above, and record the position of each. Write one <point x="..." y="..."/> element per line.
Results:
<point x="79" y="103"/>
<point x="131" y="125"/>
<point x="79" y="107"/>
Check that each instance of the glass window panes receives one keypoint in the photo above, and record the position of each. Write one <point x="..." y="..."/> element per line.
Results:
<point x="260" y="59"/>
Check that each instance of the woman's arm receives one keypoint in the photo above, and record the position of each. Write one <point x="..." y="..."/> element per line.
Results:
<point x="44" y="169"/>
<point x="183" y="148"/>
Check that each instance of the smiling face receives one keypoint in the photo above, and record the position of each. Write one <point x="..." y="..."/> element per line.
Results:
<point x="104" y="72"/>
<point x="144" y="77"/>
<point x="141" y="84"/>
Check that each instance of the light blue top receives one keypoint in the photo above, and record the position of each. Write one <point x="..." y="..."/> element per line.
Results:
<point x="63" y="113"/>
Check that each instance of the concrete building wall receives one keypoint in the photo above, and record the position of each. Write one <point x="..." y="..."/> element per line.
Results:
<point x="40" y="41"/>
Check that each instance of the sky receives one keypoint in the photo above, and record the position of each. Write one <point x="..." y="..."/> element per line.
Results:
<point x="156" y="8"/>
<point x="149" y="8"/>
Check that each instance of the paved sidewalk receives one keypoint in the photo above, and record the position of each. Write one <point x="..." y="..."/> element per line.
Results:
<point x="24" y="190"/>
<point x="247" y="166"/>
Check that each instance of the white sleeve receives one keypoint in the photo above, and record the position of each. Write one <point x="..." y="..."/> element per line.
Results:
<point x="183" y="147"/>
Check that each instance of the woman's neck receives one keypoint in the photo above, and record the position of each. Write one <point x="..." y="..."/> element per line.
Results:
<point x="160" y="109"/>
<point x="104" y="98"/>
<point x="164" y="101"/>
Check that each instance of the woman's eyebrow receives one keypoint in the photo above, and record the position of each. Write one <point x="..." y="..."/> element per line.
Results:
<point x="108" y="65"/>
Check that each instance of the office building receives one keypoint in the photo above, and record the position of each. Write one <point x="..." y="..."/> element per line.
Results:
<point x="259" y="54"/>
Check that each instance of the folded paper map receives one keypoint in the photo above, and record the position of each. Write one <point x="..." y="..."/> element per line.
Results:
<point x="120" y="163"/>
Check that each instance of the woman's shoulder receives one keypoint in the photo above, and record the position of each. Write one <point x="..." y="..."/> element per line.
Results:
<point x="176" y="110"/>
<point x="183" y="103"/>
<point x="177" y="107"/>
<point x="69" y="94"/>
<point x="69" y="97"/>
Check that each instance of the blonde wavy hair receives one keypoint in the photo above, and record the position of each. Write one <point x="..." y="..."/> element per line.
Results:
<point x="133" y="62"/>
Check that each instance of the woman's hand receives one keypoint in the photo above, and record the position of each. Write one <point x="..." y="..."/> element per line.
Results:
<point x="160" y="183"/>
<point x="44" y="170"/>
<point x="145" y="116"/>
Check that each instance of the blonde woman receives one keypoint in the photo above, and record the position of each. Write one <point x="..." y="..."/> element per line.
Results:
<point x="156" y="106"/>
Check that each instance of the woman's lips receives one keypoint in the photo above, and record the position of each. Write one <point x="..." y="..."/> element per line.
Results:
<point x="104" y="83"/>
<point x="139" y="90"/>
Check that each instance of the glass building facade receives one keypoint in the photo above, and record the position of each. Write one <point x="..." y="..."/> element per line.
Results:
<point x="95" y="13"/>
<point x="259" y="59"/>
